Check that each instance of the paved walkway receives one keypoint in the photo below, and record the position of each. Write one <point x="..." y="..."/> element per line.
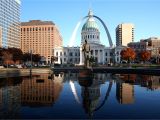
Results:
<point x="13" y="72"/>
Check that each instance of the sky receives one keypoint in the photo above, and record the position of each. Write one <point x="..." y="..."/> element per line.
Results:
<point x="144" y="14"/>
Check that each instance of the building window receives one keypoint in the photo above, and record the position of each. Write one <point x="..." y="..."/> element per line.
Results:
<point x="64" y="59"/>
<point x="106" y="59"/>
<point x="96" y="52"/>
<point x="60" y="53"/>
<point x="75" y="59"/>
<point x="64" y="53"/>
<point x="70" y="54"/>
<point x="117" y="53"/>
<point x="117" y="59"/>
<point x="71" y="60"/>
<point x="91" y="52"/>
<point x="56" y="53"/>
<point x="106" y="53"/>
<point x="75" y="54"/>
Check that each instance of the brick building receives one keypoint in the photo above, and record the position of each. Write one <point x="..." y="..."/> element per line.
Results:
<point x="41" y="37"/>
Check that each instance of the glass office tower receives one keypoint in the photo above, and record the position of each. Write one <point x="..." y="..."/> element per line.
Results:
<point x="10" y="23"/>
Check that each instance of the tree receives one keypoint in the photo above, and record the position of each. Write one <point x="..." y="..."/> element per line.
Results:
<point x="145" y="55"/>
<point x="36" y="58"/>
<point x="26" y="57"/>
<point x="54" y="58"/>
<point x="128" y="54"/>
<point x="7" y="57"/>
<point x="16" y="53"/>
<point x="1" y="55"/>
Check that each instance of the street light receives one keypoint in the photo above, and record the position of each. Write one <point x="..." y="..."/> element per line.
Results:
<point x="31" y="63"/>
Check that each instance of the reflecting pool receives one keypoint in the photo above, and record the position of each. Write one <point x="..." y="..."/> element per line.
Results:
<point x="72" y="96"/>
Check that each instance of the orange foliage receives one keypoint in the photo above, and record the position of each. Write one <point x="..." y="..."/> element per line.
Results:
<point x="145" y="55"/>
<point x="128" y="54"/>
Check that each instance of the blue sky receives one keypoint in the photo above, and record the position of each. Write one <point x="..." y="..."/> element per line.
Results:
<point x="144" y="14"/>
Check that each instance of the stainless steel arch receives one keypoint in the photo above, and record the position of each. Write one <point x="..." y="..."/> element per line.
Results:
<point x="106" y="29"/>
<point x="104" y="25"/>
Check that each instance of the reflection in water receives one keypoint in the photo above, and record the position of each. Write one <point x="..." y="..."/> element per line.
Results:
<point x="10" y="99"/>
<point x="74" y="91"/>
<point x="148" y="81"/>
<point x="90" y="91"/>
<point x="42" y="93"/>
<point x="37" y="91"/>
<point x="125" y="93"/>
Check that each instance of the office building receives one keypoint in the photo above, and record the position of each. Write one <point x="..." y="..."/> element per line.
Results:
<point x="10" y="23"/>
<point x="40" y="37"/>
<point x="124" y="34"/>
<point x="151" y="44"/>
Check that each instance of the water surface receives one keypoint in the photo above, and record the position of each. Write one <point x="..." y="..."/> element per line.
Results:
<point x="72" y="96"/>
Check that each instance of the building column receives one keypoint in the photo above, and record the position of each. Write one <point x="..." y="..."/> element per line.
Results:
<point x="81" y="56"/>
<point x="103" y="56"/>
<point x="99" y="57"/>
<point x="59" y="61"/>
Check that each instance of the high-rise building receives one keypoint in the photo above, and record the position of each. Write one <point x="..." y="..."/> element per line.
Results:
<point x="124" y="34"/>
<point x="41" y="37"/>
<point x="10" y="23"/>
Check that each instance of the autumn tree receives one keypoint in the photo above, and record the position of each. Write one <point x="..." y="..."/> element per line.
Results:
<point x="7" y="57"/>
<point x="128" y="54"/>
<point x="145" y="55"/>
<point x="16" y="54"/>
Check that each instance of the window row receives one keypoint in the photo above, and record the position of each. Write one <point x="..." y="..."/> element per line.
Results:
<point x="90" y="37"/>
<point x="38" y="29"/>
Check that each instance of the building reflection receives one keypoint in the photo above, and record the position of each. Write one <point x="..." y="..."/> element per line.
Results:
<point x="148" y="81"/>
<point x="90" y="91"/>
<point x="125" y="93"/>
<point x="125" y="88"/>
<point x="10" y="97"/>
<point x="41" y="91"/>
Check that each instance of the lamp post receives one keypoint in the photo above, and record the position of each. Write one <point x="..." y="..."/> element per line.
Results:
<point x="52" y="61"/>
<point x="31" y="63"/>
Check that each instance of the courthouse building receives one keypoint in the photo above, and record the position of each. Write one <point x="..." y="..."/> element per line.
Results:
<point x="90" y="32"/>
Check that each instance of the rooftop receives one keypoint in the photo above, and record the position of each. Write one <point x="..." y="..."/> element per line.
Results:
<point x="37" y="22"/>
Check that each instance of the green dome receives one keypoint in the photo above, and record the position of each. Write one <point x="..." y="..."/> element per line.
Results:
<point x="90" y="24"/>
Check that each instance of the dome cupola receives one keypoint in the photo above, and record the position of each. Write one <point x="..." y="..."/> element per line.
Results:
<point x="90" y="23"/>
<point x="90" y="30"/>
